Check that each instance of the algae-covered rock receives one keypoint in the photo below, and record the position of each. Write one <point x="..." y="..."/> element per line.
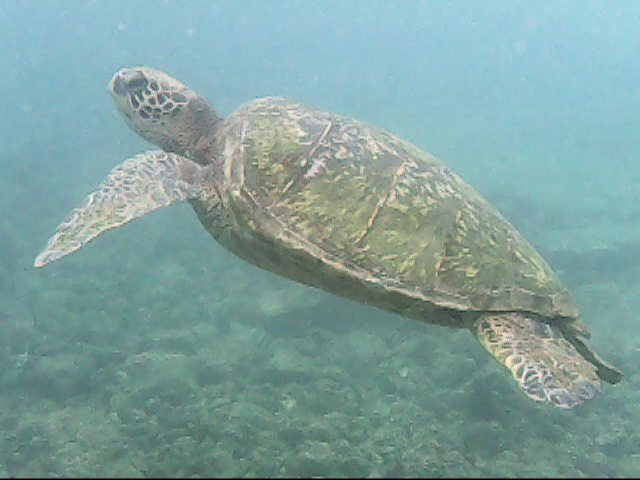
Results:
<point x="312" y="460"/>
<point x="61" y="375"/>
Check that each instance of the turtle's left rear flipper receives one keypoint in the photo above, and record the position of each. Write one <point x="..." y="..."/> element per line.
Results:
<point x="547" y="367"/>
<point x="140" y="185"/>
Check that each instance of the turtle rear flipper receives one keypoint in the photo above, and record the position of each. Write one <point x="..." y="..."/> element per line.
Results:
<point x="139" y="185"/>
<point x="547" y="367"/>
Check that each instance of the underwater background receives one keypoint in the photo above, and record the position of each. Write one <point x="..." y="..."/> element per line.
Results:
<point x="155" y="352"/>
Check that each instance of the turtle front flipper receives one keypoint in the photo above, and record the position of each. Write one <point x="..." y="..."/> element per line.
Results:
<point x="547" y="367"/>
<point x="139" y="185"/>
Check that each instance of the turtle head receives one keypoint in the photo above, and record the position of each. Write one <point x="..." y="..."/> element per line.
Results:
<point x="163" y="110"/>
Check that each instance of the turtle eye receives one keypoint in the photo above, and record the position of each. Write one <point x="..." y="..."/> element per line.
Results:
<point x="178" y="97"/>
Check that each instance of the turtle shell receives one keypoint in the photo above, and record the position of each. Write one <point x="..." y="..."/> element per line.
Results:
<point x="352" y="209"/>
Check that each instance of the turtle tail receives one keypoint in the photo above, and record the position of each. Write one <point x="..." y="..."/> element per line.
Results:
<point x="548" y="364"/>
<point x="140" y="185"/>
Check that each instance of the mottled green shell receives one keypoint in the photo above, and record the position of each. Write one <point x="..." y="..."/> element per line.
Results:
<point x="352" y="209"/>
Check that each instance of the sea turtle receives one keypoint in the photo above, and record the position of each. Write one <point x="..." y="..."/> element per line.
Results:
<point x="351" y="209"/>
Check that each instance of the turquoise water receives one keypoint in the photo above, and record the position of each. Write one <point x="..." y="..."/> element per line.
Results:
<point x="153" y="351"/>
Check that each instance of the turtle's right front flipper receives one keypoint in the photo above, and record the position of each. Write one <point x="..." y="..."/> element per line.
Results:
<point x="140" y="185"/>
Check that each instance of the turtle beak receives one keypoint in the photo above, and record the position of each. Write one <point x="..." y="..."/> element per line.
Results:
<point x="116" y="86"/>
<point x="128" y="81"/>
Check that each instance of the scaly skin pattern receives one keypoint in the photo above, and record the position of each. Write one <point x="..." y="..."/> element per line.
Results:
<point x="351" y="209"/>
<point x="545" y="365"/>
